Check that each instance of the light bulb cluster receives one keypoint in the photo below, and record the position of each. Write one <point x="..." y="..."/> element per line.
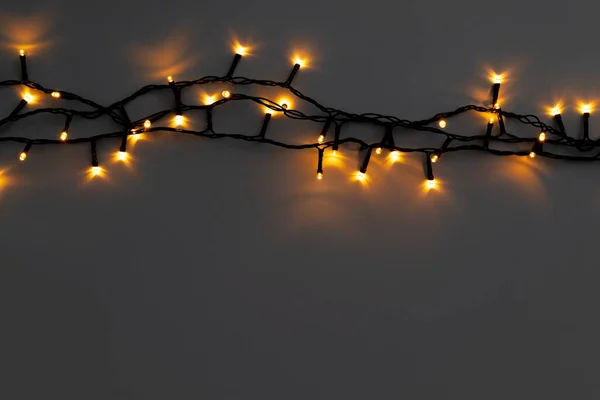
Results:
<point x="548" y="136"/>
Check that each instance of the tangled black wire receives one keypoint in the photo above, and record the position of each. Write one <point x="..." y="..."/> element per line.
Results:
<point x="571" y="148"/>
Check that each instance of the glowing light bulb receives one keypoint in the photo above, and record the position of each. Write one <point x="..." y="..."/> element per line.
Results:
<point x="22" y="156"/>
<point x="555" y="111"/>
<point x="442" y="123"/>
<point x="63" y="135"/>
<point x="585" y="108"/>
<point x="497" y="106"/>
<point x="147" y="124"/>
<point x="170" y="79"/>
<point x="434" y="158"/>
<point x="334" y="153"/>
<point x="28" y="97"/>
<point x="542" y="137"/>
<point x="226" y="94"/>
<point x="96" y="170"/>
<point x="491" y="121"/>
<point x="360" y="176"/>
<point x="532" y="154"/>
<point x="378" y="150"/>
<point x="241" y="50"/>
<point x="208" y="100"/>
<point x="56" y="95"/>
<point x="497" y="78"/>
<point x="21" y="53"/>
<point x="395" y="155"/>
<point x="430" y="184"/>
<point x="319" y="176"/>
<point x="179" y="120"/>
<point x="321" y="138"/>
<point x="300" y="61"/>
<point x="122" y="156"/>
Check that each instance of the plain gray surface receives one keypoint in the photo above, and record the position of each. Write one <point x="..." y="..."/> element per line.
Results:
<point x="225" y="270"/>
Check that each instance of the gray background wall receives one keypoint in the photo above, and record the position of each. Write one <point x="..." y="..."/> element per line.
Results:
<point x="225" y="270"/>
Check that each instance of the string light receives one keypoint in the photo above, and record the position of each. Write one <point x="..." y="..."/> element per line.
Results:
<point x="56" y="95"/>
<point x="328" y="116"/>
<point x="442" y="123"/>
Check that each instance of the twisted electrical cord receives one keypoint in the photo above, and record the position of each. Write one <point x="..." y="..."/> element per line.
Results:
<point x="568" y="147"/>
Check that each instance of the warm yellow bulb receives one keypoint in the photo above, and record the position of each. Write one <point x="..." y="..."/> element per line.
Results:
<point x="497" y="106"/>
<point x="319" y="176"/>
<point x="179" y="120"/>
<point x="395" y="155"/>
<point x="442" y="124"/>
<point x="226" y="94"/>
<point x="491" y="121"/>
<point x="497" y="78"/>
<point x="334" y="153"/>
<point x="147" y="124"/>
<point x="56" y="95"/>
<point x="28" y="97"/>
<point x="532" y="154"/>
<point x="241" y="50"/>
<point x="360" y="176"/>
<point x="434" y="158"/>
<point x="63" y="135"/>
<point x="208" y="100"/>
<point x="21" y="52"/>
<point x="542" y="137"/>
<point x="585" y="108"/>
<point x="22" y="156"/>
<point x="122" y="156"/>
<point x="321" y="138"/>
<point x="170" y="79"/>
<point x="300" y="61"/>
<point x="378" y="150"/>
<point x="96" y="170"/>
<point x="555" y="111"/>
<point x="431" y="184"/>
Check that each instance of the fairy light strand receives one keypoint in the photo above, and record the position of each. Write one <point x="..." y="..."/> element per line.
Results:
<point x="569" y="148"/>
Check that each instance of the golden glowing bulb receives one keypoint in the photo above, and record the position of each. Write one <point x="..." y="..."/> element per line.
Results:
<point x="491" y="121"/>
<point x="442" y="123"/>
<point x="21" y="53"/>
<point x="542" y="137"/>
<point x="532" y="154"/>
<point x="170" y="79"/>
<point x="300" y="61"/>
<point x="241" y="50"/>
<point x="434" y="158"/>
<point x="334" y="153"/>
<point x="360" y="176"/>
<point x="147" y="124"/>
<point x="208" y="100"/>
<point x="96" y="170"/>
<point x="394" y="155"/>
<point x="430" y="184"/>
<point x="319" y="176"/>
<point x="555" y="111"/>
<point x="378" y="150"/>
<point x="63" y="135"/>
<point x="226" y="94"/>
<point x="28" y="97"/>
<point x="22" y="156"/>
<point x="179" y="120"/>
<point x="321" y="139"/>
<point x="497" y="78"/>
<point x="122" y="156"/>
<point x="56" y="95"/>
<point x="497" y="106"/>
<point x="585" y="108"/>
